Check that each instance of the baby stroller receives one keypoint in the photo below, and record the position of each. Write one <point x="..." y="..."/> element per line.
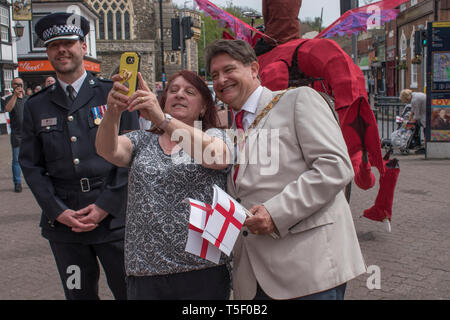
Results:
<point x="407" y="135"/>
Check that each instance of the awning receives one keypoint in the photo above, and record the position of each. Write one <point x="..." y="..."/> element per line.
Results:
<point x="30" y="66"/>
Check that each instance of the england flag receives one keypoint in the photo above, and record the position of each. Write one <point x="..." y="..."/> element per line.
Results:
<point x="225" y="222"/>
<point x="200" y="213"/>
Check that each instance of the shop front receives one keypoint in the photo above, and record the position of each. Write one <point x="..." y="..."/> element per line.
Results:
<point x="34" y="71"/>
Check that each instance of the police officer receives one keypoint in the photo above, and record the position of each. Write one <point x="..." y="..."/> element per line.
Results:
<point x="82" y="196"/>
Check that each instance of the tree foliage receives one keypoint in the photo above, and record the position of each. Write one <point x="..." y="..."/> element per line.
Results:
<point x="314" y="23"/>
<point x="213" y="31"/>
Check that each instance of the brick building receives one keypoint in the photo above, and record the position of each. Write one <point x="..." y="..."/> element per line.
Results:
<point x="404" y="68"/>
<point x="387" y="54"/>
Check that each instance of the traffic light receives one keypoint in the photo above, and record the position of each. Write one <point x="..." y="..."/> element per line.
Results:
<point x="424" y="37"/>
<point x="175" y="28"/>
<point x="187" y="27"/>
<point x="420" y="41"/>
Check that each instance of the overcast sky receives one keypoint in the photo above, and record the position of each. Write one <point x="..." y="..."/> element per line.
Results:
<point x="310" y="8"/>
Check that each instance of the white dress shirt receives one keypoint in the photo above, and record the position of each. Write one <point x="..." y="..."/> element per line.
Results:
<point x="250" y="107"/>
<point x="76" y="84"/>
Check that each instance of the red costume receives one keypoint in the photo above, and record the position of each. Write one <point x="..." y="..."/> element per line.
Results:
<point x="342" y="79"/>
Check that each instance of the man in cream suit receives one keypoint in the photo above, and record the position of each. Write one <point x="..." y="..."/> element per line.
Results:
<point x="302" y="200"/>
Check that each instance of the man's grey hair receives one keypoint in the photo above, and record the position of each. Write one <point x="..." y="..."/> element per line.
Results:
<point x="237" y="49"/>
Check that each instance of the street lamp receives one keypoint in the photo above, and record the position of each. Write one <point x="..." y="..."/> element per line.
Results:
<point x="18" y="30"/>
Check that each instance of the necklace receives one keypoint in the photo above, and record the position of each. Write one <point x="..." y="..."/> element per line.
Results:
<point x="240" y="137"/>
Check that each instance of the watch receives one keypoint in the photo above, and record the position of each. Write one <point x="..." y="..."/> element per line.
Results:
<point x="166" y="121"/>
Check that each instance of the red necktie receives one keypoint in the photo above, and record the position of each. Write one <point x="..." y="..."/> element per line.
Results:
<point x="238" y="119"/>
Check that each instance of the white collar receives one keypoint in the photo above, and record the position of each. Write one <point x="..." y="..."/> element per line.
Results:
<point x="76" y="84"/>
<point x="252" y="102"/>
<point x="250" y="107"/>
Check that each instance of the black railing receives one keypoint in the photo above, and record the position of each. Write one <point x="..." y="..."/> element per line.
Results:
<point x="385" y="110"/>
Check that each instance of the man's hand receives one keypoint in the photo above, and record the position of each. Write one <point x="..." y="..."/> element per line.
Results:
<point x="70" y="218"/>
<point x="19" y="92"/>
<point x="261" y="222"/>
<point x="92" y="214"/>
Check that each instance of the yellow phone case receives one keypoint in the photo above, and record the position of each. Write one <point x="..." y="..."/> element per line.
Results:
<point x="129" y="67"/>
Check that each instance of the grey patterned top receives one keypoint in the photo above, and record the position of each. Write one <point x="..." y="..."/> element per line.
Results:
<point x="157" y="220"/>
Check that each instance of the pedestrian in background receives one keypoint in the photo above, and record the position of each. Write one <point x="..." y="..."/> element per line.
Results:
<point x="83" y="197"/>
<point x="15" y="106"/>
<point x="37" y="89"/>
<point x="418" y="115"/>
<point x="49" y="81"/>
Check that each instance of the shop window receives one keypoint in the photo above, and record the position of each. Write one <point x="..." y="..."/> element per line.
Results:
<point x="4" y="24"/>
<point x="8" y="78"/>
<point x="4" y="33"/>
<point x="4" y="16"/>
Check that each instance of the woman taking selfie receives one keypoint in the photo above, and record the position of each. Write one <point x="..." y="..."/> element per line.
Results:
<point x="162" y="174"/>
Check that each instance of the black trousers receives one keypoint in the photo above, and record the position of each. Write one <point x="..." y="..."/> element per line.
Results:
<point x="206" y="284"/>
<point x="79" y="269"/>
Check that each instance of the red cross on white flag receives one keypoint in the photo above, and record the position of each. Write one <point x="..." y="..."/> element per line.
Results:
<point x="200" y="213"/>
<point x="226" y="221"/>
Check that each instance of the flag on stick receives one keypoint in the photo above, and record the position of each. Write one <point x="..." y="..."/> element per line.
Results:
<point x="225" y="223"/>
<point x="215" y="228"/>
<point x="200" y="213"/>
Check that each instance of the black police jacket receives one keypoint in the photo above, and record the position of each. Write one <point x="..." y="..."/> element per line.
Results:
<point x="60" y="163"/>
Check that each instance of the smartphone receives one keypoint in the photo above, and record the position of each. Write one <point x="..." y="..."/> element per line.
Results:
<point x="128" y="69"/>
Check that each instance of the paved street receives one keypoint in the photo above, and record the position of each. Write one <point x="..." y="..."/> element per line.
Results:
<point x="413" y="259"/>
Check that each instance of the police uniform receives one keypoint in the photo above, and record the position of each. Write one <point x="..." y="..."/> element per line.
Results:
<point x="63" y="170"/>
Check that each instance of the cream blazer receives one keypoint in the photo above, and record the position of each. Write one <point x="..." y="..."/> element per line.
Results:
<point x="301" y="186"/>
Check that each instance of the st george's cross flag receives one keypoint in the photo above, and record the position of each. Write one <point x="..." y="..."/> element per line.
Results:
<point x="225" y="222"/>
<point x="200" y="213"/>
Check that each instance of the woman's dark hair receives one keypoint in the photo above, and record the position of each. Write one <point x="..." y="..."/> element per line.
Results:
<point x="209" y="119"/>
